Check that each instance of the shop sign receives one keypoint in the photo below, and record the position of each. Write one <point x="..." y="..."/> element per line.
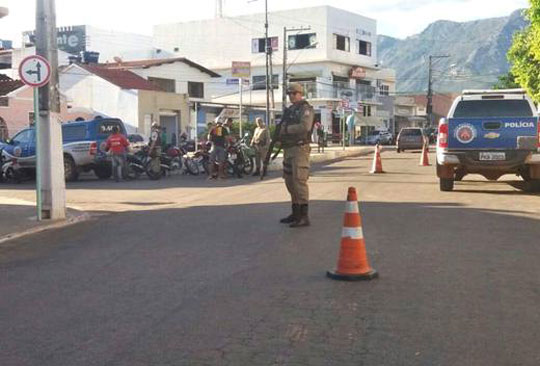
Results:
<point x="357" y="72"/>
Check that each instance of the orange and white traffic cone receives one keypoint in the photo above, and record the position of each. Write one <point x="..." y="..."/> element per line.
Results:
<point x="424" y="159"/>
<point x="377" y="161"/>
<point x="353" y="263"/>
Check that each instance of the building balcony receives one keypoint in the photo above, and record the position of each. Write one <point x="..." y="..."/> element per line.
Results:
<point x="338" y="90"/>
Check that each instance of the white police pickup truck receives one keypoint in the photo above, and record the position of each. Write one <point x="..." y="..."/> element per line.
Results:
<point x="83" y="147"/>
<point x="491" y="133"/>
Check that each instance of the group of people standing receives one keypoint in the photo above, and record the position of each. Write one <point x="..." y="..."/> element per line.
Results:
<point x="221" y="137"/>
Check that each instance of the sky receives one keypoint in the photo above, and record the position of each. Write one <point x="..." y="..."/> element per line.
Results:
<point x="397" y="18"/>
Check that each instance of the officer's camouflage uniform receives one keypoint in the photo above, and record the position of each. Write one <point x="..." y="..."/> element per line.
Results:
<point x="295" y="138"/>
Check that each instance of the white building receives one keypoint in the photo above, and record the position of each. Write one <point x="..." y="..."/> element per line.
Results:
<point x="335" y="58"/>
<point x="109" y="43"/>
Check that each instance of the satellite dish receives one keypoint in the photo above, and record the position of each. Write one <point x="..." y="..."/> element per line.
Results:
<point x="117" y="59"/>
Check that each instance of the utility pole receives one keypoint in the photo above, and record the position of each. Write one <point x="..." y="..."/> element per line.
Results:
<point x="51" y="159"/>
<point x="429" y="106"/>
<point x="267" y="52"/>
<point x="285" y="68"/>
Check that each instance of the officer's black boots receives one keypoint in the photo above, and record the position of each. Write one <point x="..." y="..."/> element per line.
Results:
<point x="293" y="216"/>
<point x="303" y="219"/>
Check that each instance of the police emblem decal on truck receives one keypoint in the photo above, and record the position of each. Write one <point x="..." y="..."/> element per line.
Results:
<point x="465" y="133"/>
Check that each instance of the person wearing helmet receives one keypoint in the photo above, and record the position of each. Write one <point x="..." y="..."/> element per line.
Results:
<point x="295" y="138"/>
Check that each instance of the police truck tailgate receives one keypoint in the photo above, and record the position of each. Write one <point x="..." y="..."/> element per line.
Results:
<point x="492" y="134"/>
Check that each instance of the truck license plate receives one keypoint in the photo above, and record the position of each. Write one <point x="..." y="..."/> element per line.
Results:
<point x="492" y="156"/>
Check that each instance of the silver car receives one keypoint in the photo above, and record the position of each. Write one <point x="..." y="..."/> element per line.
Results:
<point x="410" y="138"/>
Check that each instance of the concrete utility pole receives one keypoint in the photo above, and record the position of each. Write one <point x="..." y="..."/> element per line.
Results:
<point x="429" y="106"/>
<point x="51" y="157"/>
<point x="267" y="52"/>
<point x="285" y="67"/>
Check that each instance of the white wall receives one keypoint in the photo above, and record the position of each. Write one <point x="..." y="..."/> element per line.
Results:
<point x="90" y="91"/>
<point x="230" y="38"/>
<point x="180" y="72"/>
<point x="109" y="44"/>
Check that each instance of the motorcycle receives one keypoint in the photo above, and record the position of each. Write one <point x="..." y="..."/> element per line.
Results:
<point x="141" y="163"/>
<point x="201" y="157"/>
<point x="235" y="163"/>
<point x="191" y="167"/>
<point x="248" y="154"/>
<point x="11" y="170"/>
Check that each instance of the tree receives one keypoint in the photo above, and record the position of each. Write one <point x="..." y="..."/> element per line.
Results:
<point x="524" y="55"/>
<point x="507" y="81"/>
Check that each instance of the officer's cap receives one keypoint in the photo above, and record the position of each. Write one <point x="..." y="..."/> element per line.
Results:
<point x="295" y="88"/>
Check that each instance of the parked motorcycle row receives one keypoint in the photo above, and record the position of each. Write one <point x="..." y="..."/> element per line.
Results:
<point x="174" y="160"/>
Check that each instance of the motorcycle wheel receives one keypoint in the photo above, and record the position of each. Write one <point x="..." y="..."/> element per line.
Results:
<point x="229" y="168"/>
<point x="191" y="166"/>
<point x="152" y="174"/>
<point x="249" y="165"/>
<point x="132" y="173"/>
<point x="176" y="166"/>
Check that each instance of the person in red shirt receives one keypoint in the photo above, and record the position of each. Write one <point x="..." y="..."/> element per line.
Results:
<point x="117" y="144"/>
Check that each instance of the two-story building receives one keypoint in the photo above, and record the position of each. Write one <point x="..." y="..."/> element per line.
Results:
<point x="334" y="57"/>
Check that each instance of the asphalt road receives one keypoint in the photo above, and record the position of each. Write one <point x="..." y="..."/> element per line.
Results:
<point x="200" y="273"/>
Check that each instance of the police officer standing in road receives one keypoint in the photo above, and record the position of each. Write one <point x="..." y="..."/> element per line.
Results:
<point x="295" y="137"/>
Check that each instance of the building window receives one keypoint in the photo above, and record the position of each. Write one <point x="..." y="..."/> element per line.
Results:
<point x="167" y="85"/>
<point x="364" y="48"/>
<point x="300" y="41"/>
<point x="259" y="82"/>
<point x="257" y="44"/>
<point x="366" y="110"/>
<point x="342" y="43"/>
<point x="384" y="90"/>
<point x="195" y="89"/>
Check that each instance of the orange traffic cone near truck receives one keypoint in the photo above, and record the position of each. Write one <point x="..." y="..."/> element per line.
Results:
<point x="424" y="159"/>
<point x="377" y="161"/>
<point x="353" y="264"/>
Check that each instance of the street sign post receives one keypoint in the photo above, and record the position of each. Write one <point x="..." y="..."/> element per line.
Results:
<point x="35" y="71"/>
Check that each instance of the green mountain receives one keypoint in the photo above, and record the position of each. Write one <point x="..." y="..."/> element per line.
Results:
<point x="477" y="53"/>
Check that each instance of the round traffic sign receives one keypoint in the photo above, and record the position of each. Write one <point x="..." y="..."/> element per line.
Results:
<point x="35" y="71"/>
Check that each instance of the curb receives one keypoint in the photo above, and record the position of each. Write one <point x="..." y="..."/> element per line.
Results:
<point x="58" y="224"/>
<point x="333" y="157"/>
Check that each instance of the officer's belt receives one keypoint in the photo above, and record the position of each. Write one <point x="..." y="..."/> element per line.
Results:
<point x="287" y="145"/>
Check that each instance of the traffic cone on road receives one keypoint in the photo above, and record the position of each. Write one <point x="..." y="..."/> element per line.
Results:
<point x="353" y="263"/>
<point x="377" y="161"/>
<point x="424" y="159"/>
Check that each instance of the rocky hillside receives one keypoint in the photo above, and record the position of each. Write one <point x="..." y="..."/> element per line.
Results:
<point x="477" y="53"/>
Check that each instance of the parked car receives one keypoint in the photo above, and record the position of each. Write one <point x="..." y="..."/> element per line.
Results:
<point x="382" y="137"/>
<point x="83" y="145"/>
<point x="410" y="138"/>
<point x="491" y="133"/>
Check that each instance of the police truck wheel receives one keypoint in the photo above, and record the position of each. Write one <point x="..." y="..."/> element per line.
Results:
<point x="446" y="184"/>
<point x="70" y="169"/>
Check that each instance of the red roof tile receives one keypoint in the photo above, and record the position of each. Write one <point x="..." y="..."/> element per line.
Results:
<point x="122" y="78"/>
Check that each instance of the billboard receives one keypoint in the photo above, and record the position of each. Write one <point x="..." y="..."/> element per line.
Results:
<point x="70" y="39"/>
<point x="241" y="69"/>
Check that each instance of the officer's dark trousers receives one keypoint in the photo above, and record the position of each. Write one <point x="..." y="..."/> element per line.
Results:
<point x="296" y="173"/>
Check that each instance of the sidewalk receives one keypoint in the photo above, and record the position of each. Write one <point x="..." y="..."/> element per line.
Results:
<point x="18" y="218"/>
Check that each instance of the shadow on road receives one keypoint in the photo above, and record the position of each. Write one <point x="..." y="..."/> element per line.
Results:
<point x="228" y="285"/>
